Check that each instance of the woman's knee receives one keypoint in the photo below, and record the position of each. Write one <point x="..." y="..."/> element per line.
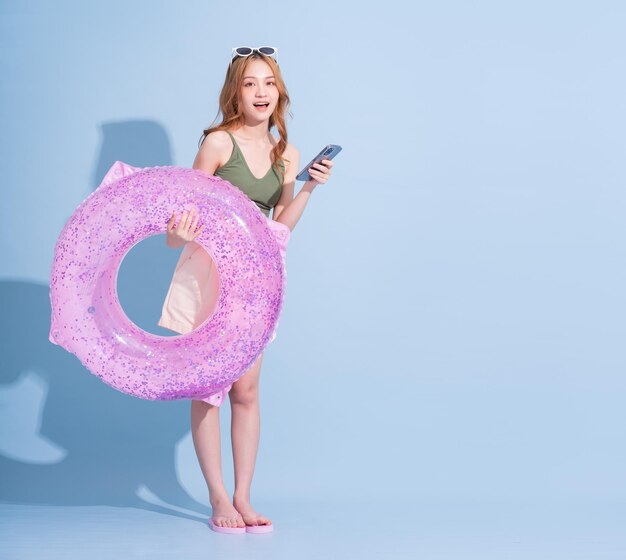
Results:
<point x="246" y="389"/>
<point x="244" y="392"/>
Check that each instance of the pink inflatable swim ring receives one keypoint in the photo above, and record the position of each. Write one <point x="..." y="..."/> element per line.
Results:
<point x="130" y="205"/>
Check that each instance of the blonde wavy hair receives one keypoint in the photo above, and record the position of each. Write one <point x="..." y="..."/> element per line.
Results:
<point x="232" y="116"/>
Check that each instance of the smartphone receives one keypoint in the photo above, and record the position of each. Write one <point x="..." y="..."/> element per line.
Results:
<point x="329" y="152"/>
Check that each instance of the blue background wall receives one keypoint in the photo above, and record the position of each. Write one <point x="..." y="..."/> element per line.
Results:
<point x="454" y="321"/>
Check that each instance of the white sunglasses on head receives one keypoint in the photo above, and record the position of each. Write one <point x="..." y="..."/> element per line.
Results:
<point x="247" y="51"/>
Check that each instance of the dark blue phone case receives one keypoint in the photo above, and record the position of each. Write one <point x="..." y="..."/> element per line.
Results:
<point x="329" y="152"/>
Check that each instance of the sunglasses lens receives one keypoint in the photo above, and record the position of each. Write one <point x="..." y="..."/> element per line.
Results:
<point x="269" y="51"/>
<point x="243" y="51"/>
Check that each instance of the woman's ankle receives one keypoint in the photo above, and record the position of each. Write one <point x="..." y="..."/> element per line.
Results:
<point x="219" y="497"/>
<point x="241" y="498"/>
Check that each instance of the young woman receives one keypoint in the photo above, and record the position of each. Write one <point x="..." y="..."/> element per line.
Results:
<point x="242" y="150"/>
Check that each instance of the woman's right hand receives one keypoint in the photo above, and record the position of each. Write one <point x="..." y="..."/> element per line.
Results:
<point x="184" y="231"/>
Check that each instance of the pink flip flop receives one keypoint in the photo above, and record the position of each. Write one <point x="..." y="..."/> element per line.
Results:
<point x="259" y="528"/>
<point x="231" y="530"/>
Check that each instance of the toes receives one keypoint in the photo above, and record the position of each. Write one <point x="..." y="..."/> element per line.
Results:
<point x="259" y="520"/>
<point x="231" y="522"/>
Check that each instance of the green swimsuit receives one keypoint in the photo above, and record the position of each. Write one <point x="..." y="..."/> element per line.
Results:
<point x="264" y="192"/>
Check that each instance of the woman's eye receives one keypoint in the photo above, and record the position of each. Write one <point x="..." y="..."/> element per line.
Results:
<point x="271" y="83"/>
<point x="249" y="84"/>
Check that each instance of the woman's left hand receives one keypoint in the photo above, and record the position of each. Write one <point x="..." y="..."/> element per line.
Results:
<point x="320" y="172"/>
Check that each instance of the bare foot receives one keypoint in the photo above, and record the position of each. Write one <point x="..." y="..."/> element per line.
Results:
<point x="250" y="516"/>
<point x="225" y="514"/>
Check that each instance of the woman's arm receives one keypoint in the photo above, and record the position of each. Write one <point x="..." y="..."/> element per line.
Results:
<point x="208" y="159"/>
<point x="288" y="209"/>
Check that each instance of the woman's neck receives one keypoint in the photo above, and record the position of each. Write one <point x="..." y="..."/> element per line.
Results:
<point x="254" y="133"/>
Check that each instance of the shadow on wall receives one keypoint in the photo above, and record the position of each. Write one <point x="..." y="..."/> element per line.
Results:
<point x="66" y="438"/>
<point x="138" y="143"/>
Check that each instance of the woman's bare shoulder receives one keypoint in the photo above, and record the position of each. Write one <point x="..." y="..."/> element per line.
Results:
<point x="291" y="155"/>
<point x="291" y="159"/>
<point x="291" y="150"/>
<point x="214" y="152"/>
<point x="218" y="139"/>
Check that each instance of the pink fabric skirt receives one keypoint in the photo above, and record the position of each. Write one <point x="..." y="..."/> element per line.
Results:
<point x="194" y="288"/>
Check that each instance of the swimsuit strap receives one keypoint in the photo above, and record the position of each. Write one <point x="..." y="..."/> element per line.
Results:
<point x="238" y="149"/>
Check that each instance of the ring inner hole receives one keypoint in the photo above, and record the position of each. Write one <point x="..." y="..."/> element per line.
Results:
<point x="145" y="276"/>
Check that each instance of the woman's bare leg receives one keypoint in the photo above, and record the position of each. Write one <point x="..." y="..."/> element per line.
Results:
<point x="205" y="431"/>
<point x="245" y="430"/>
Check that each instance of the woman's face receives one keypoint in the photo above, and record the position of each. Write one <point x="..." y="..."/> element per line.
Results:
<point x="259" y="95"/>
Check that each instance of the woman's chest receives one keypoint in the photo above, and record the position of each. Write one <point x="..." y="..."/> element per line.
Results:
<point x="257" y="159"/>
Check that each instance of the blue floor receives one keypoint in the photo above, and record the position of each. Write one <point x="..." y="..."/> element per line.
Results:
<point x="434" y="531"/>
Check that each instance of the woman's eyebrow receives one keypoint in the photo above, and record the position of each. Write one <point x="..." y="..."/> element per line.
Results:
<point x="254" y="77"/>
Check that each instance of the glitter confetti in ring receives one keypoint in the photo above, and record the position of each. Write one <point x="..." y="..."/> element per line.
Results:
<point x="130" y="205"/>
